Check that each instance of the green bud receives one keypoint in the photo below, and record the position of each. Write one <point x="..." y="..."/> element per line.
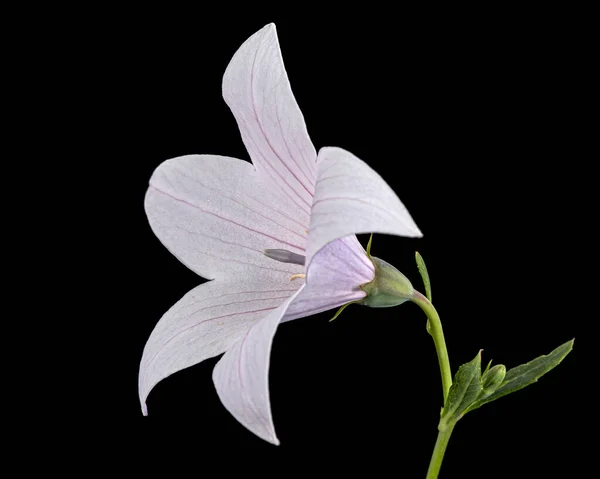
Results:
<point x="389" y="288"/>
<point x="492" y="379"/>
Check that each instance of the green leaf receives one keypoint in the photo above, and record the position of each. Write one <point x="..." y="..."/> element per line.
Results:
<point x="426" y="282"/>
<point x="424" y="275"/>
<point x="526" y="374"/>
<point x="465" y="389"/>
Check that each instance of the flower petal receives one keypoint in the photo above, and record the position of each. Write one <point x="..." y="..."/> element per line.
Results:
<point x="257" y="90"/>
<point x="216" y="216"/>
<point x="333" y="278"/>
<point x="241" y="377"/>
<point x="351" y="198"/>
<point x="205" y="323"/>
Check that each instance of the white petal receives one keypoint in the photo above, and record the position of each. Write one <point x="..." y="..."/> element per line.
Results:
<point x="351" y="198"/>
<point x="205" y="323"/>
<point x="241" y="377"/>
<point x="216" y="217"/>
<point x="257" y="90"/>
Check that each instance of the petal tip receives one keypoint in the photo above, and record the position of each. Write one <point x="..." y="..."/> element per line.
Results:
<point x="270" y="437"/>
<point x="144" y="409"/>
<point x="269" y="28"/>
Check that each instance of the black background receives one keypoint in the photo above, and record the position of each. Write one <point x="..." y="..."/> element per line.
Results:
<point x="475" y="122"/>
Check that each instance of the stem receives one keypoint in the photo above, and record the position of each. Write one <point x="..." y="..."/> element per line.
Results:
<point x="437" y="333"/>
<point x="438" y="451"/>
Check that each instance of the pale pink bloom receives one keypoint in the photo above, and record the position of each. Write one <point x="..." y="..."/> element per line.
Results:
<point x="217" y="215"/>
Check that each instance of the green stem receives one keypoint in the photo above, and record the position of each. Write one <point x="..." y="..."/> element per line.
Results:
<point x="438" y="451"/>
<point x="438" y="338"/>
<point x="437" y="333"/>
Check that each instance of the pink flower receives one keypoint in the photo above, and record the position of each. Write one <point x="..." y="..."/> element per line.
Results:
<point x="218" y="215"/>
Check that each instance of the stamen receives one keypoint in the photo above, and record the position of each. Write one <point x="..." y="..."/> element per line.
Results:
<point x="285" y="256"/>
<point x="300" y="275"/>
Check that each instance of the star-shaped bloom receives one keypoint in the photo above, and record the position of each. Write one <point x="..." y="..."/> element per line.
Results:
<point x="276" y="237"/>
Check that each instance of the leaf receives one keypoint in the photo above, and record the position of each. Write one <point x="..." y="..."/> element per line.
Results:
<point x="465" y="389"/>
<point x="526" y="374"/>
<point x="426" y="282"/>
<point x="424" y="275"/>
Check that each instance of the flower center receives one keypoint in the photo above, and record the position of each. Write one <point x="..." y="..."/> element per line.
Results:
<point x="285" y="256"/>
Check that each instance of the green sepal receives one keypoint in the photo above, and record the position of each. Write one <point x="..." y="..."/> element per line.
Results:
<point x="339" y="311"/>
<point x="388" y="288"/>
<point x="369" y="245"/>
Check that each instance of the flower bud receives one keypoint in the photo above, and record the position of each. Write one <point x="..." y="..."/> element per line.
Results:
<point x="492" y="379"/>
<point x="389" y="287"/>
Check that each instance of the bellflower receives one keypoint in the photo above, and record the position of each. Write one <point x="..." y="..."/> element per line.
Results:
<point x="276" y="237"/>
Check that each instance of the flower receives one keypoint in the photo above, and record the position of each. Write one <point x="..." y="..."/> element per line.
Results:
<point x="276" y="237"/>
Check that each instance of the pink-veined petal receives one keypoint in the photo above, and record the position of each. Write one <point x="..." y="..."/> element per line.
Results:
<point x="351" y="198"/>
<point x="241" y="376"/>
<point x="205" y="323"/>
<point x="258" y="92"/>
<point x="216" y="216"/>
<point x="333" y="278"/>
